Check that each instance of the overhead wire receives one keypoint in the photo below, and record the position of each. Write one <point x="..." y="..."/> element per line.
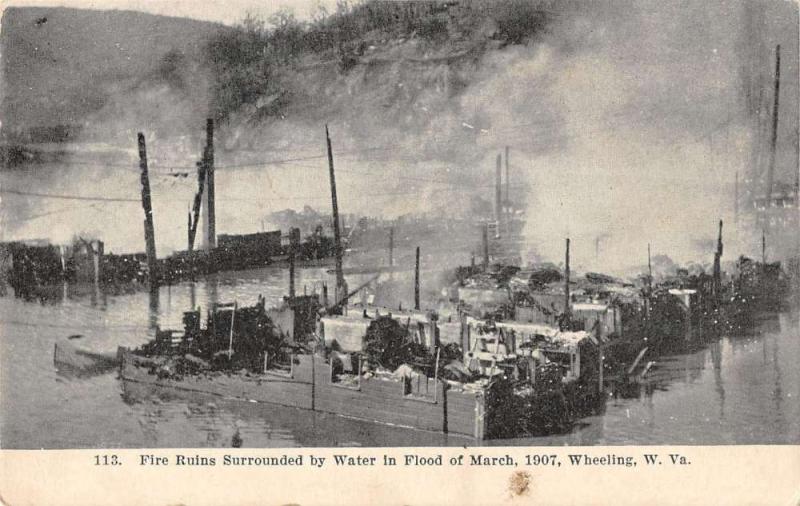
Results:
<point x="293" y="160"/>
<point x="544" y="127"/>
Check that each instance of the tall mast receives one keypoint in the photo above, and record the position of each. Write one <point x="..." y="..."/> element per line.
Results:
<point x="498" y="197"/>
<point x="508" y="177"/>
<point x="567" y="304"/>
<point x="736" y="198"/>
<point x="337" y="234"/>
<point x="774" y="140"/>
<point x="149" y="230"/>
<point x="416" y="282"/>
<point x="212" y="219"/>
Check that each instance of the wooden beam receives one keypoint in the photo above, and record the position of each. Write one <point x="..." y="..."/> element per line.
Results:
<point x="149" y="229"/>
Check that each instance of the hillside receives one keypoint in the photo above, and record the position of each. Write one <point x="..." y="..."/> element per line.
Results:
<point x="61" y="65"/>
<point x="403" y="73"/>
<point x="420" y="98"/>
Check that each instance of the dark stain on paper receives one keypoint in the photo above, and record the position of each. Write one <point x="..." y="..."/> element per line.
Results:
<point x="519" y="483"/>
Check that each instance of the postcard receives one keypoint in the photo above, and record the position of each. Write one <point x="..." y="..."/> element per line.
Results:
<point x="399" y="252"/>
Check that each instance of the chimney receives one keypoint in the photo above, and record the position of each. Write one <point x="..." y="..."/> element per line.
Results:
<point x="209" y="209"/>
<point x="508" y="178"/>
<point x="498" y="197"/>
<point x="416" y="282"/>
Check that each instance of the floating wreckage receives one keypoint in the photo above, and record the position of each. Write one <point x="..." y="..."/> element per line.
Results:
<point x="470" y="377"/>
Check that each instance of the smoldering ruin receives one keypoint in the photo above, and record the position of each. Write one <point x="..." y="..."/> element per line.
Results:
<point x="477" y="217"/>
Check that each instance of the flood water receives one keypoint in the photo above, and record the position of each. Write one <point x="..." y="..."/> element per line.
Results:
<point x="739" y="390"/>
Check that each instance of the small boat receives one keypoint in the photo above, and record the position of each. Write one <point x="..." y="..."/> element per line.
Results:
<point x="73" y="361"/>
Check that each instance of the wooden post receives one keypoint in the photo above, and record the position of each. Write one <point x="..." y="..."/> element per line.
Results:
<point x="736" y="199"/>
<point x="508" y="177"/>
<point x="211" y="229"/>
<point x="230" y="338"/>
<point x="341" y="288"/>
<point x="313" y="380"/>
<point x="98" y="265"/>
<point x="416" y="281"/>
<point x="294" y="240"/>
<point x="763" y="248"/>
<point x="774" y="139"/>
<point x="198" y="201"/>
<point x="436" y="376"/>
<point x="600" y="369"/>
<point x="567" y="305"/>
<point x="649" y="291"/>
<point x="506" y="207"/>
<point x="189" y="231"/>
<point x="485" y="246"/>
<point x="149" y="230"/>
<point x="498" y="204"/>
<point x="464" y="335"/>
<point x="291" y="273"/>
<point x="649" y="272"/>
<point x="717" y="286"/>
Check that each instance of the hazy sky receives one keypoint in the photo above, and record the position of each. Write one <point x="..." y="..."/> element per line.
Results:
<point x="228" y="12"/>
<point x="627" y="118"/>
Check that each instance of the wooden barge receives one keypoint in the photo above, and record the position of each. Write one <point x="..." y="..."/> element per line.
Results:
<point x="507" y="376"/>
<point x="428" y="404"/>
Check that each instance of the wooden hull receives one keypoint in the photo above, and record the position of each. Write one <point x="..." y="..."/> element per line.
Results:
<point x="72" y="360"/>
<point x="431" y="406"/>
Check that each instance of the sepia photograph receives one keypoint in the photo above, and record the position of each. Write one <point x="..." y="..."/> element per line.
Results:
<point x="394" y="223"/>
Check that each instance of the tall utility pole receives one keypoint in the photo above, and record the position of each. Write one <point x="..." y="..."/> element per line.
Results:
<point x="149" y="230"/>
<point x="736" y="199"/>
<point x="718" y="268"/>
<point x="208" y="162"/>
<point x="189" y="232"/>
<point x="567" y="308"/>
<point x="198" y="201"/>
<point x="294" y="239"/>
<point x="291" y="273"/>
<point x="649" y="273"/>
<point x="341" y="286"/>
<point x="508" y="177"/>
<point x="774" y="140"/>
<point x="485" y="247"/>
<point x="416" y="281"/>
<point x="507" y="205"/>
<point x="498" y="196"/>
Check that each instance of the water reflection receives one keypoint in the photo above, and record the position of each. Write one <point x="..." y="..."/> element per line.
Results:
<point x="777" y="391"/>
<point x="153" y="305"/>
<point x="741" y="389"/>
<point x="716" y="359"/>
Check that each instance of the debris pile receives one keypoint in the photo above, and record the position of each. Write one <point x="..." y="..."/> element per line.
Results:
<point x="234" y="339"/>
